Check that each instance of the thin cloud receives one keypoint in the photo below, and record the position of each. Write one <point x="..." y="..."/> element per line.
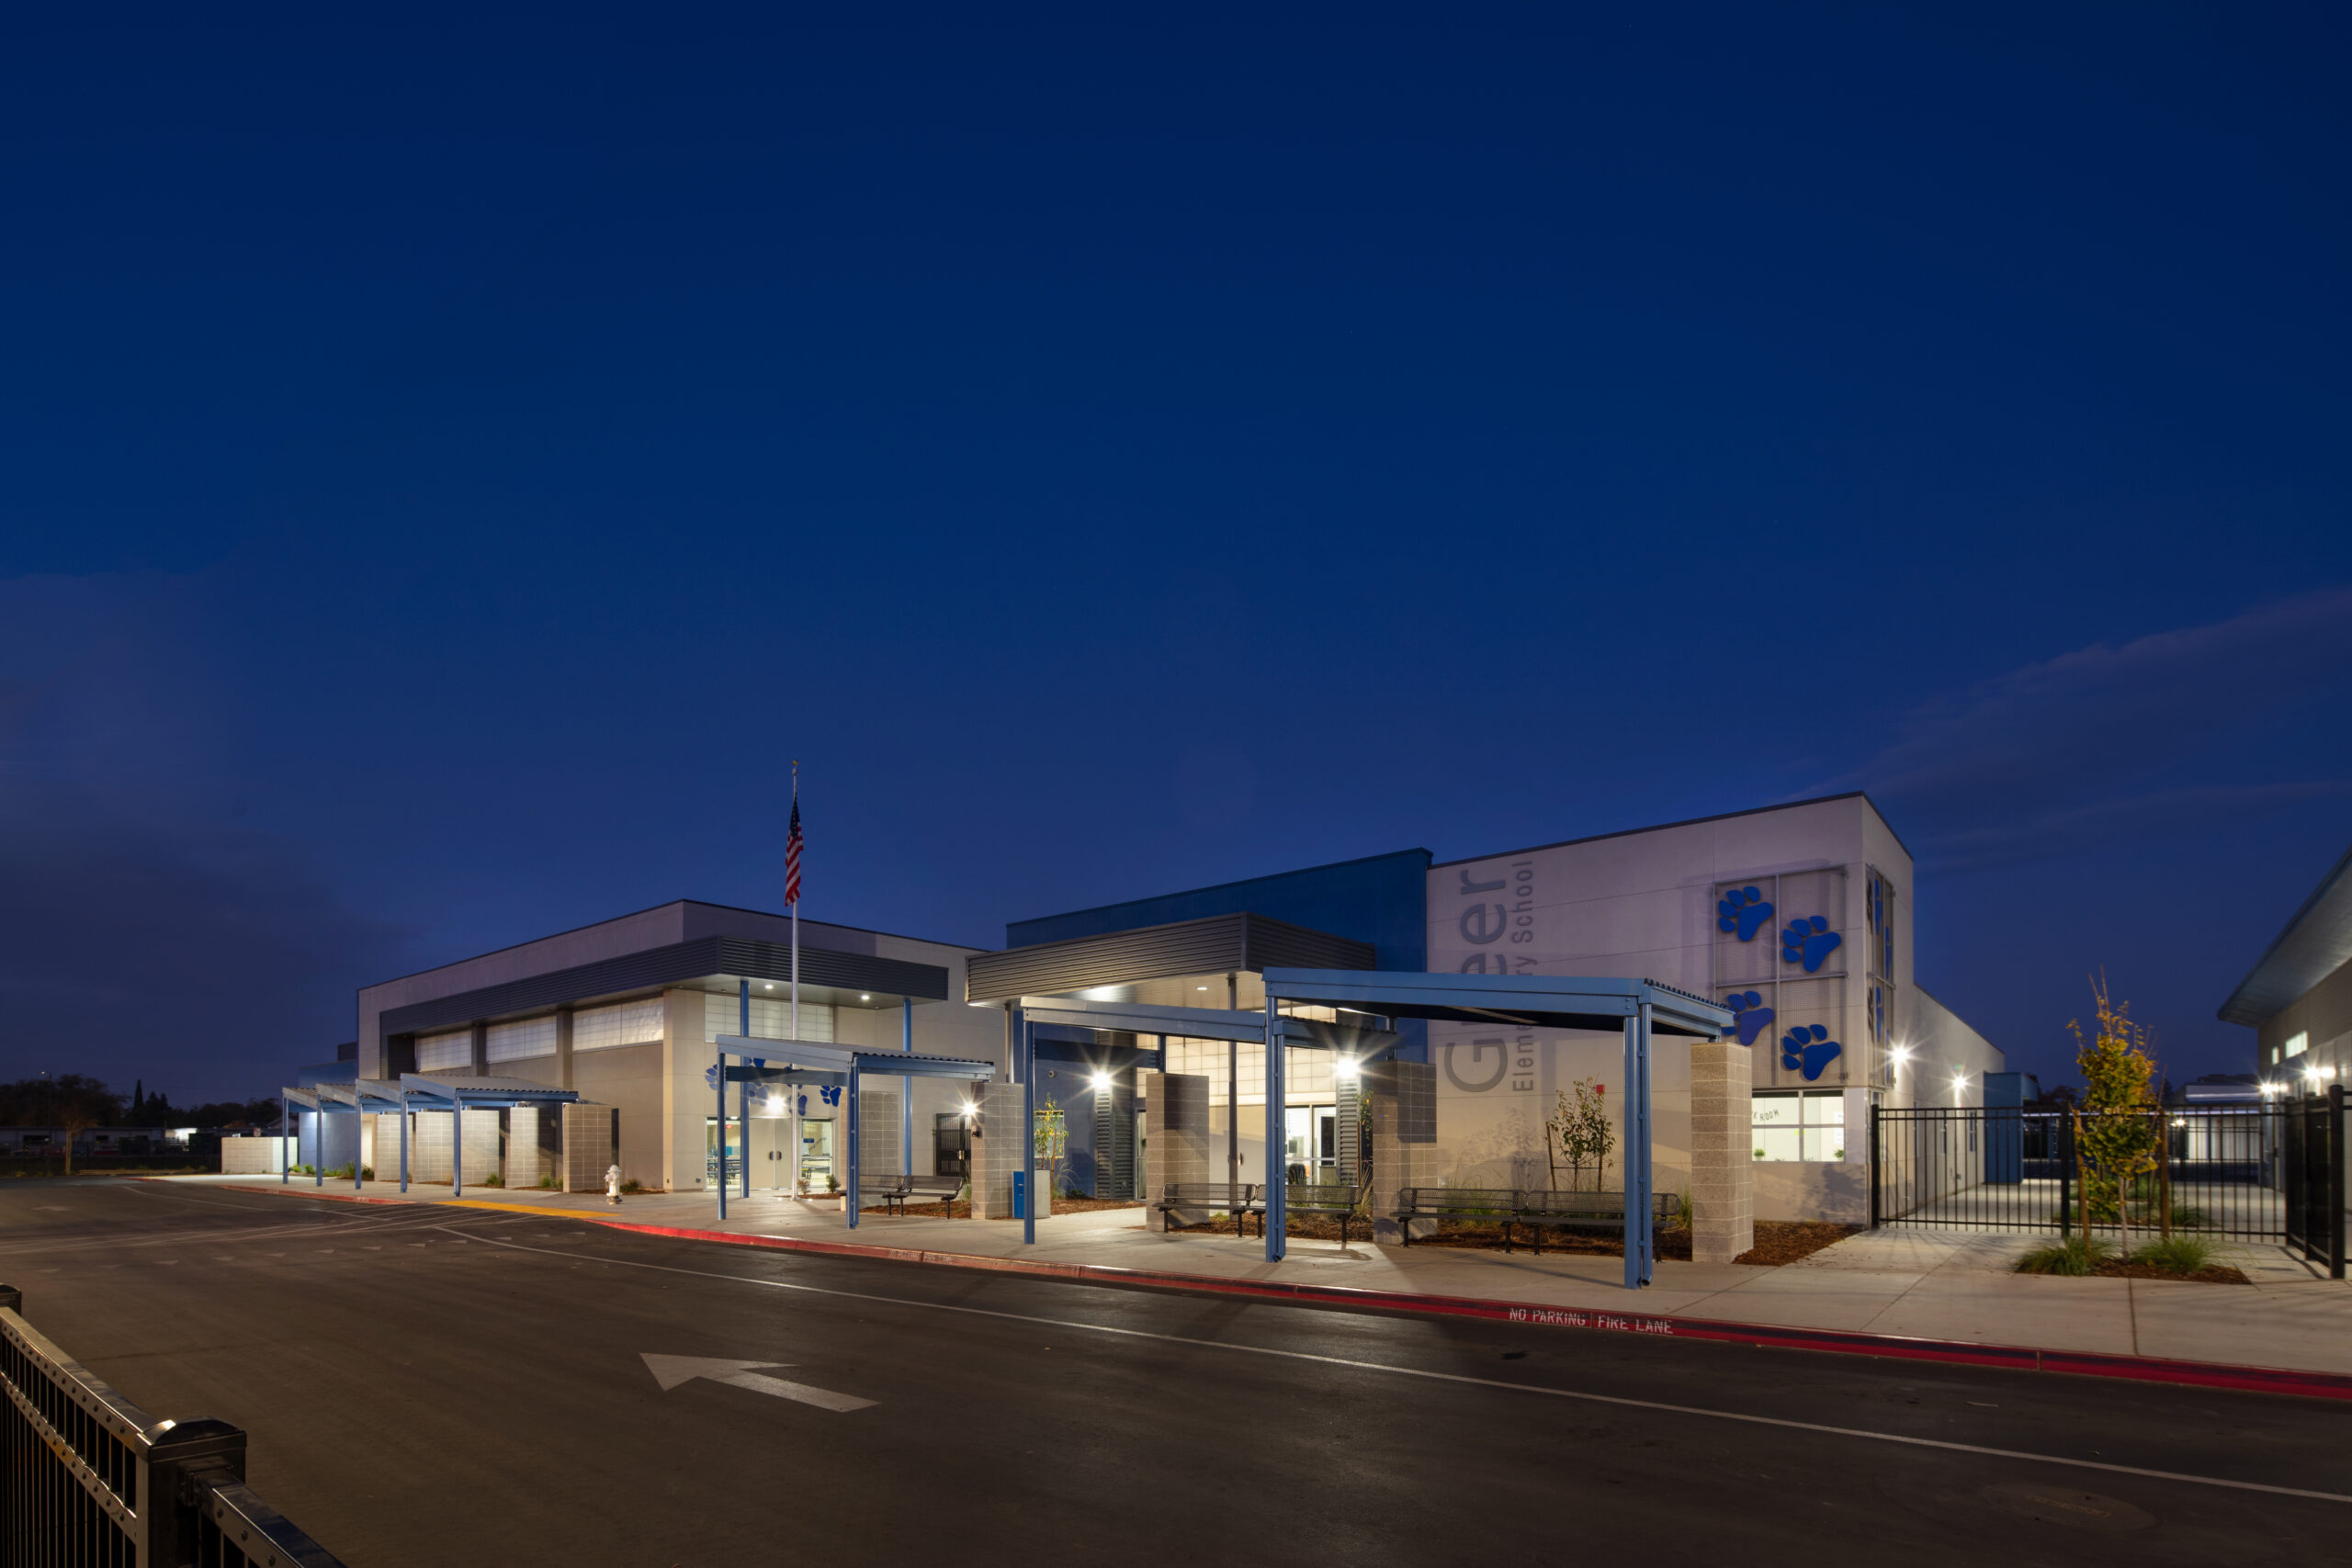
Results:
<point x="2089" y="747"/>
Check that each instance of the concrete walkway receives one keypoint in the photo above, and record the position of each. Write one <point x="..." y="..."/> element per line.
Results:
<point x="1923" y="1284"/>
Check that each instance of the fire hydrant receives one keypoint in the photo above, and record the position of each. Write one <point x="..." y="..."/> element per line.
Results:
<point x="612" y="1184"/>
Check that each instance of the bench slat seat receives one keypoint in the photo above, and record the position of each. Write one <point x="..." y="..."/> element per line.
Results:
<point x="1535" y="1208"/>
<point x="897" y="1191"/>
<point x="1240" y="1199"/>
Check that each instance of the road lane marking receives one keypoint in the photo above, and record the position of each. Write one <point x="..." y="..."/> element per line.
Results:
<point x="1620" y="1399"/>
<point x="672" y="1370"/>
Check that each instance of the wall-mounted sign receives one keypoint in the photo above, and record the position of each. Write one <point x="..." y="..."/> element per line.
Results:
<point x="1807" y="1048"/>
<point x="1808" y="941"/>
<point x="1749" y="1016"/>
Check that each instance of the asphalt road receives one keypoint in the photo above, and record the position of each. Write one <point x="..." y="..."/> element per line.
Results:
<point x="436" y="1386"/>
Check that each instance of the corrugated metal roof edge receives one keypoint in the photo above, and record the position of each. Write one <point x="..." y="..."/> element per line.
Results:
<point x="2237" y="1010"/>
<point x="1861" y="794"/>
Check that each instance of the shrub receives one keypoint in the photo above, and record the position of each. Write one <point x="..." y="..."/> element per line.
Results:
<point x="631" y="1186"/>
<point x="494" y="1179"/>
<point x="2076" y="1255"/>
<point x="367" y="1173"/>
<point x="2186" y="1218"/>
<point x="2177" y="1255"/>
<point x="548" y="1182"/>
<point x="305" y="1170"/>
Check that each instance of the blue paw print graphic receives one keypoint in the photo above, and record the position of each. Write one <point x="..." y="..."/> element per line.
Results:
<point x="1743" y="911"/>
<point x="832" y="1093"/>
<point x="1748" y="1015"/>
<point x="1808" y="941"/>
<point x="1807" y="1048"/>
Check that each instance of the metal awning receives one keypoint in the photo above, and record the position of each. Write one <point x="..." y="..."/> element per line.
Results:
<point x="413" y="1092"/>
<point x="830" y="1065"/>
<point x="1207" y="1024"/>
<point x="1540" y="1001"/>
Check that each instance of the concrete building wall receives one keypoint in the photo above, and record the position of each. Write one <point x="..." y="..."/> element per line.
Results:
<point x="2323" y="1016"/>
<point x="629" y="1077"/>
<point x="1646" y="903"/>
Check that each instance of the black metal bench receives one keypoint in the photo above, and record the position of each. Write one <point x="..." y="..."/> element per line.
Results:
<point x="898" y="1191"/>
<point x="1240" y="1200"/>
<point x="1322" y="1198"/>
<point x="1535" y="1208"/>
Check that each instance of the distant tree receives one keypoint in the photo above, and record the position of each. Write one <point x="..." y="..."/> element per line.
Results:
<point x="45" y="1101"/>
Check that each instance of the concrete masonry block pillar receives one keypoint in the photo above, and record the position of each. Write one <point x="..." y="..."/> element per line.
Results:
<point x="999" y="1142"/>
<point x="1723" y="1199"/>
<point x="1402" y="1098"/>
<point x="1176" y="1140"/>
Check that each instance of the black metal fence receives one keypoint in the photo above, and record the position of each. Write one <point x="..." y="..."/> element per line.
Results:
<point x="2215" y="1172"/>
<point x="2312" y="1166"/>
<point x="91" y="1481"/>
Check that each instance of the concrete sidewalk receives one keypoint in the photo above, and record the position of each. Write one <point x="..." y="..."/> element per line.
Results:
<point x="1929" y="1285"/>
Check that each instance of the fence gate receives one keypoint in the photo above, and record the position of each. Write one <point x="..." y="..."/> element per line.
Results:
<point x="2315" y="1178"/>
<point x="2222" y="1172"/>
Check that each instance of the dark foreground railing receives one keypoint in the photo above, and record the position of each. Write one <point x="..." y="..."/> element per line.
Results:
<point x="92" y="1481"/>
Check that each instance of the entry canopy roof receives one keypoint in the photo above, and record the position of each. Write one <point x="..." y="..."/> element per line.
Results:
<point x="1543" y="1002"/>
<point x="482" y="1094"/>
<point x="781" y="1059"/>
<point x="1206" y="1023"/>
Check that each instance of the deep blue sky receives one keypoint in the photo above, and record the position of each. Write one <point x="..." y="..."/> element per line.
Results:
<point x="450" y="462"/>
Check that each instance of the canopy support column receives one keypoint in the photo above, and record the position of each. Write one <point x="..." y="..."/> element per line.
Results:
<point x="719" y="1076"/>
<point x="1638" y="1238"/>
<point x="456" y="1145"/>
<point x="289" y="1141"/>
<point x="742" y="1103"/>
<point x="907" y="1088"/>
<point x="1277" y="1209"/>
<point x="1024" y="1046"/>
<point x="404" y="1115"/>
<point x="850" y="1102"/>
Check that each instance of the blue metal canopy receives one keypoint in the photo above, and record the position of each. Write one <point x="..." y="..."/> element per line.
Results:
<point x="762" y="1060"/>
<point x="1638" y="1008"/>
<point x="413" y="1092"/>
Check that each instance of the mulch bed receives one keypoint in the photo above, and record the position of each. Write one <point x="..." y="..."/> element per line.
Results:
<point x="1777" y="1241"/>
<point x="962" y="1208"/>
<point x="2212" y="1274"/>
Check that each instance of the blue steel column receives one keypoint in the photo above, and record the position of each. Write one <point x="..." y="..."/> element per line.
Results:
<point x="742" y="1103"/>
<point x="849" y="1189"/>
<point x="319" y="1139"/>
<point x="1277" y="1131"/>
<point x="1637" y="1147"/>
<point x="1025" y="1052"/>
<point x="721" y="1182"/>
<point x="357" y="1126"/>
<point x="907" y="1088"/>
<point x="285" y="1126"/>
<point x="403" y="1140"/>
<point x="456" y="1145"/>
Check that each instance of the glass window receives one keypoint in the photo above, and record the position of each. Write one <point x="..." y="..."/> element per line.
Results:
<point x="437" y="1053"/>
<point x="1800" y="1127"/>
<point x="722" y="1013"/>
<point x="2296" y="1046"/>
<point x="520" y="1040"/>
<point x="623" y="1023"/>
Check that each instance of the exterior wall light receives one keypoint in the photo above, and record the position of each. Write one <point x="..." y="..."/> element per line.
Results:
<point x="1346" y="1067"/>
<point x="1102" y="1082"/>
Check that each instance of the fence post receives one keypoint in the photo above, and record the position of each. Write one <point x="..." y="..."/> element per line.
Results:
<point x="1874" y="1162"/>
<point x="2065" y="1177"/>
<point x="2336" y="1181"/>
<point x="182" y="1456"/>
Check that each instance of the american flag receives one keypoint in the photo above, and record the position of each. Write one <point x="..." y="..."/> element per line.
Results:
<point x="792" y="857"/>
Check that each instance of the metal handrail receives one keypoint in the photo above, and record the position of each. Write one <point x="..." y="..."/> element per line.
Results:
<point x="92" y="1478"/>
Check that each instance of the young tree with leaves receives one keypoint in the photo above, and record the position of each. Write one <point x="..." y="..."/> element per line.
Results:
<point x="2116" y="1147"/>
<point x="1578" y="1134"/>
<point x="1052" y="1142"/>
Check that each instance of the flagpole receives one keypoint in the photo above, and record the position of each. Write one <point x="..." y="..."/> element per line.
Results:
<point x="796" y="915"/>
<point x="799" y="1146"/>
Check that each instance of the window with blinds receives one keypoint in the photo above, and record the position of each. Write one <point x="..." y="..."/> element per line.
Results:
<point x="520" y="1040"/>
<point x="435" y="1052"/>
<point x="771" y="1018"/>
<point x="623" y="1023"/>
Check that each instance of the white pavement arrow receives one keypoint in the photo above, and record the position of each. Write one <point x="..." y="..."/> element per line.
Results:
<point x="672" y="1370"/>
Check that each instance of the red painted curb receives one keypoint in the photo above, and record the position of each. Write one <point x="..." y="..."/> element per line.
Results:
<point x="1961" y="1352"/>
